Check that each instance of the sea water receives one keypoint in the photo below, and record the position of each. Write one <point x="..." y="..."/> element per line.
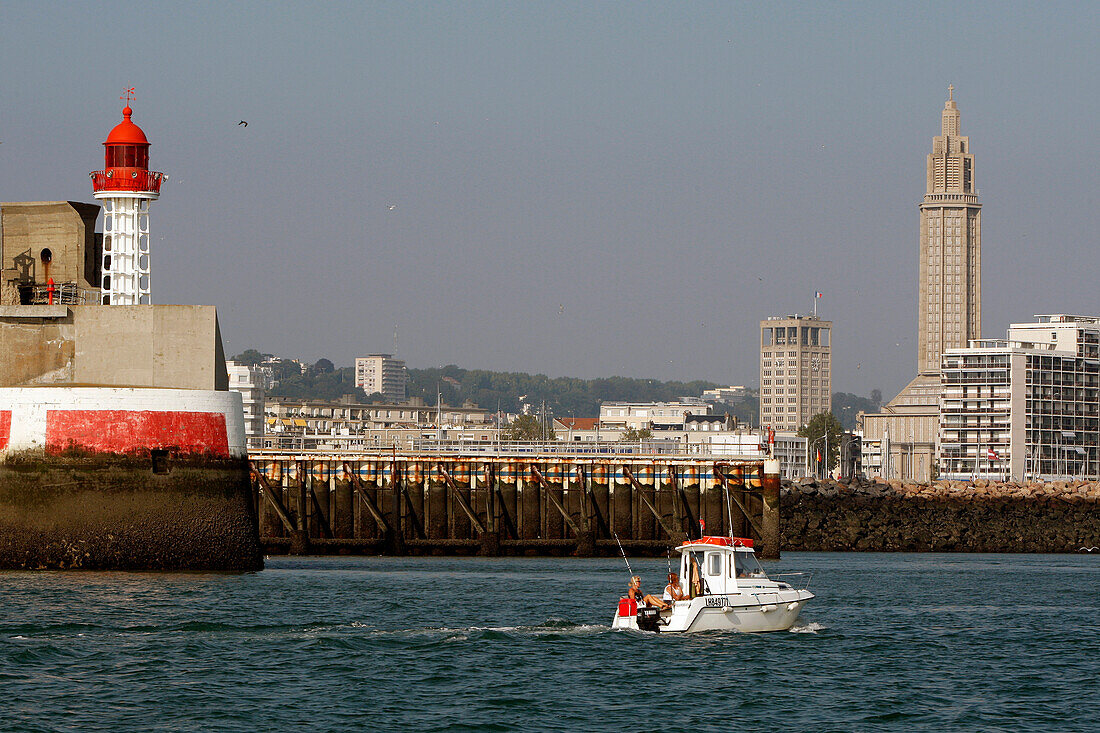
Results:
<point x="892" y="642"/>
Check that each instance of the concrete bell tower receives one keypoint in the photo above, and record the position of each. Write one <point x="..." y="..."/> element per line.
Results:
<point x="126" y="186"/>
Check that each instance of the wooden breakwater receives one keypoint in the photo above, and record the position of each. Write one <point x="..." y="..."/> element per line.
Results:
<point x="945" y="516"/>
<point x="554" y="504"/>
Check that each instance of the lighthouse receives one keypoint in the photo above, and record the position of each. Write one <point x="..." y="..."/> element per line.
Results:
<point x="126" y="186"/>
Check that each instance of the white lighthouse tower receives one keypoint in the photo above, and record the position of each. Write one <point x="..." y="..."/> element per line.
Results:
<point x="126" y="186"/>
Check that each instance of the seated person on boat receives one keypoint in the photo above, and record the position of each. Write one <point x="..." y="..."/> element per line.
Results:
<point x="634" y="592"/>
<point x="673" y="592"/>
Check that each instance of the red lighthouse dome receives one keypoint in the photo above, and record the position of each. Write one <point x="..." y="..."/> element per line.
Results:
<point x="126" y="132"/>
<point x="126" y="162"/>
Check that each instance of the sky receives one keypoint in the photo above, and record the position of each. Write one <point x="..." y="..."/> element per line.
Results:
<point x="574" y="189"/>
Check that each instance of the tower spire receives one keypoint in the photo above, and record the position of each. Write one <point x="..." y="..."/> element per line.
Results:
<point x="950" y="254"/>
<point x="950" y="123"/>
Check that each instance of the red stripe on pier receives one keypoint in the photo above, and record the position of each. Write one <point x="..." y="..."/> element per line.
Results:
<point x="127" y="431"/>
<point x="5" y="428"/>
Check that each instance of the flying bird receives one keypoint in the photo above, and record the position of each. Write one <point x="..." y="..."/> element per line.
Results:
<point x="242" y="122"/>
<point x="391" y="207"/>
<point x="561" y="308"/>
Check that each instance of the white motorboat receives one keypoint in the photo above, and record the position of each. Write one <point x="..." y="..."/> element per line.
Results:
<point x="725" y="589"/>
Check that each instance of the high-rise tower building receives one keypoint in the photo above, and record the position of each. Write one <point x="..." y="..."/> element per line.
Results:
<point x="950" y="247"/>
<point x="381" y="373"/>
<point x="949" y="302"/>
<point x="795" y="370"/>
<point x="126" y="186"/>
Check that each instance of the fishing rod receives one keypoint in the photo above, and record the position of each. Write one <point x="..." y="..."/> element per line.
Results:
<point x="624" y="556"/>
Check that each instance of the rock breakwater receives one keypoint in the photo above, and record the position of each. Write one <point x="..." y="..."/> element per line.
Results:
<point x="944" y="516"/>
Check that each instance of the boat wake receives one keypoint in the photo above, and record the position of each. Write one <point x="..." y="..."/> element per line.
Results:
<point x="811" y="628"/>
<point x="553" y="627"/>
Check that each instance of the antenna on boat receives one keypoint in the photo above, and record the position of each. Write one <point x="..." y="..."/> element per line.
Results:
<point x="729" y="507"/>
<point x="624" y="556"/>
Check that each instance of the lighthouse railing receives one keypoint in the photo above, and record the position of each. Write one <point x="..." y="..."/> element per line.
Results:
<point x="137" y="180"/>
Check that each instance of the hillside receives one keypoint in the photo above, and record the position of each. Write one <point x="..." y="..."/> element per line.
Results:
<point x="563" y="396"/>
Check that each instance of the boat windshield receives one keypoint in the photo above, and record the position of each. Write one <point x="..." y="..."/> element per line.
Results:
<point x="747" y="566"/>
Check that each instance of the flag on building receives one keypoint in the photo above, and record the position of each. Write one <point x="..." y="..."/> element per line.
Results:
<point x="819" y="295"/>
<point x="991" y="454"/>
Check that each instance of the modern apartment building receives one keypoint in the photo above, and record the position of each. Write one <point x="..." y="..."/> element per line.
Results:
<point x="252" y="382"/>
<point x="1025" y="407"/>
<point x="795" y="370"/>
<point x="381" y="373"/>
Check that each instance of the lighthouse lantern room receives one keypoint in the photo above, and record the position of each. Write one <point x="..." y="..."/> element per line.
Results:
<point x="126" y="186"/>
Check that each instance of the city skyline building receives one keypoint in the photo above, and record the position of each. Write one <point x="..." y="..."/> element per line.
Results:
<point x="1026" y="407"/>
<point x="795" y="370"/>
<point x="949" y="309"/>
<point x="381" y="373"/>
<point x="948" y="301"/>
<point x="252" y="382"/>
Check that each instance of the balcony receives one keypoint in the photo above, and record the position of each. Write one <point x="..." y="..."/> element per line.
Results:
<point x="67" y="293"/>
<point x="129" y="180"/>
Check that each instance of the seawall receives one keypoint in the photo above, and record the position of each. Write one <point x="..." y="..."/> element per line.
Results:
<point x="944" y="516"/>
<point x="116" y="512"/>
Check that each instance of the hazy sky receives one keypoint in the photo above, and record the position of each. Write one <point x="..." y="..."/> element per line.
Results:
<point x="578" y="189"/>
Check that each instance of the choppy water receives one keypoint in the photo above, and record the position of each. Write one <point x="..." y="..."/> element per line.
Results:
<point x="893" y="642"/>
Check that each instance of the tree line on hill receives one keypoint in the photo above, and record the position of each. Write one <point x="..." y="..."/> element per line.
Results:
<point x="509" y="391"/>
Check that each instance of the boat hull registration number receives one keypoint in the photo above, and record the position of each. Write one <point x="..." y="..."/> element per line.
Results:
<point x="716" y="602"/>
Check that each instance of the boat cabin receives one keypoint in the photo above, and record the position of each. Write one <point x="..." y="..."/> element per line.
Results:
<point x="718" y="565"/>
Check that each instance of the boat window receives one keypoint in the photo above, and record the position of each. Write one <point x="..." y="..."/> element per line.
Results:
<point x="747" y="565"/>
<point x="714" y="563"/>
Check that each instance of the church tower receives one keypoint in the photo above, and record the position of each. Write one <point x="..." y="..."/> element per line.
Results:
<point x="949" y="312"/>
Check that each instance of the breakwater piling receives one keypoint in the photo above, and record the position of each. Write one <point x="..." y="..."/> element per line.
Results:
<point x="499" y="504"/>
<point x="944" y="516"/>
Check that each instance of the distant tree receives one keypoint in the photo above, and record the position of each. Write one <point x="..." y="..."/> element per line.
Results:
<point x="527" y="429"/>
<point x="846" y="406"/>
<point x="330" y="387"/>
<point x="285" y="369"/>
<point x="633" y="435"/>
<point x="249" y="357"/>
<point x="324" y="366"/>
<point x="876" y="397"/>
<point x="820" y="425"/>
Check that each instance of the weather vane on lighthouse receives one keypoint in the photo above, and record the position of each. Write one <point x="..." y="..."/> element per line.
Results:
<point x="126" y="186"/>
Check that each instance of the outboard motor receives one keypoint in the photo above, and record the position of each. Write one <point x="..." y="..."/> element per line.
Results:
<point x="648" y="618"/>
